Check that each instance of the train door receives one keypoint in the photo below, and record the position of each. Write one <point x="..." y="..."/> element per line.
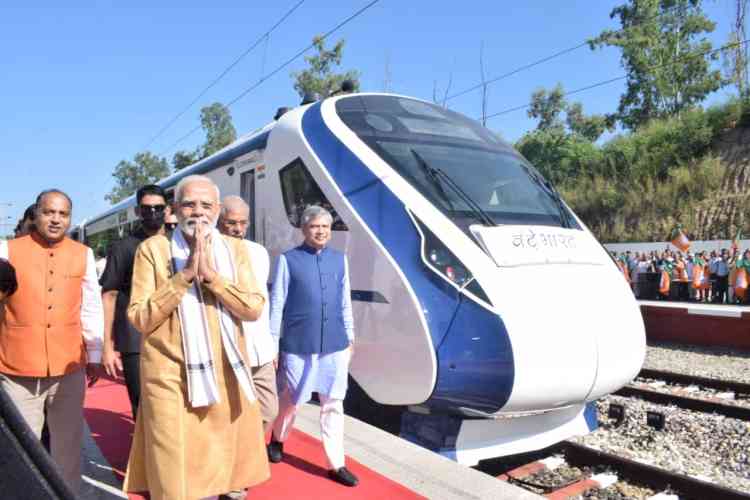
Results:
<point x="247" y="193"/>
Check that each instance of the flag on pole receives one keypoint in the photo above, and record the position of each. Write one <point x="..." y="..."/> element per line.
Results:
<point x="699" y="277"/>
<point x="678" y="239"/>
<point x="740" y="283"/>
<point x="664" y="283"/>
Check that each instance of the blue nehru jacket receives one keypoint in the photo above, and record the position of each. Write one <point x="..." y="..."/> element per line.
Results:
<point x="308" y="301"/>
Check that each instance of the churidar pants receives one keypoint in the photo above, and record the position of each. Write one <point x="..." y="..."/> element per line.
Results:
<point x="331" y="425"/>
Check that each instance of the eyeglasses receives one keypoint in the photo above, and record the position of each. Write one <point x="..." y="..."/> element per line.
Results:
<point x="170" y="225"/>
<point x="153" y="208"/>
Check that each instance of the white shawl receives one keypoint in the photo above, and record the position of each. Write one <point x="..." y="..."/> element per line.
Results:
<point x="196" y="345"/>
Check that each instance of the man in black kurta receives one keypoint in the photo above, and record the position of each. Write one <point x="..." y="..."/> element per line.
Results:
<point x="122" y="342"/>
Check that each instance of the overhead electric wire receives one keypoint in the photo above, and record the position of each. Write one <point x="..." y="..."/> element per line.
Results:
<point x="622" y="77"/>
<point x="224" y="73"/>
<point x="517" y="70"/>
<point x="279" y="68"/>
<point x="549" y="58"/>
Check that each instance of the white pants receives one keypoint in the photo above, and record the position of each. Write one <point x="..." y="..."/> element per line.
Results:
<point x="331" y="425"/>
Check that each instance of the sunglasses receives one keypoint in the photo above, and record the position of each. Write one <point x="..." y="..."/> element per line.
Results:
<point x="171" y="225"/>
<point x="153" y="208"/>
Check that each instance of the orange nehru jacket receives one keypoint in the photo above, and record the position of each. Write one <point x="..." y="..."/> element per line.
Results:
<point x="41" y="334"/>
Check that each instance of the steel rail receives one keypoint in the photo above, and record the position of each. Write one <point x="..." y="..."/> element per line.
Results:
<point x="655" y="477"/>
<point x="687" y="403"/>
<point x="683" y="378"/>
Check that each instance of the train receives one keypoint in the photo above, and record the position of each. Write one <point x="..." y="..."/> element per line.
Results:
<point x="486" y="313"/>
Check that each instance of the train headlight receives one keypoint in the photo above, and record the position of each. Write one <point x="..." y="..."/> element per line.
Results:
<point x="457" y="273"/>
<point x="443" y="261"/>
<point x="439" y="257"/>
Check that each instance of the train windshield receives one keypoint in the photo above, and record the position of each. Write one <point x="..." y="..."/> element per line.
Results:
<point x="464" y="169"/>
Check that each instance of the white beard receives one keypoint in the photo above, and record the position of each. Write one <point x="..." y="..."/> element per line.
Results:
<point x="187" y="226"/>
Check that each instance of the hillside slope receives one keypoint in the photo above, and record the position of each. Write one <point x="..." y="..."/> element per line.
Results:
<point x="727" y="208"/>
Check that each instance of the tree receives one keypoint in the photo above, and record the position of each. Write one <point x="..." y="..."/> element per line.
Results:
<point x="558" y="155"/>
<point x="146" y="168"/>
<point x="666" y="56"/>
<point x="216" y="121"/>
<point x="589" y="127"/>
<point x="182" y="159"/>
<point x="735" y="57"/>
<point x="319" y="79"/>
<point x="546" y="106"/>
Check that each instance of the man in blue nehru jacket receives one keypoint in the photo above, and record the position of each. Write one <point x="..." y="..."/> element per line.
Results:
<point x="311" y="314"/>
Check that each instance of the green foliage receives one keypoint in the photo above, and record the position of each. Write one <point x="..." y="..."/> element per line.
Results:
<point x="735" y="62"/>
<point x="558" y="152"/>
<point x="735" y="58"/>
<point x="182" y="159"/>
<point x="666" y="56"/>
<point x="638" y="185"/>
<point x="547" y="106"/>
<point x="642" y="209"/>
<point x="589" y="127"/>
<point x="319" y="78"/>
<point x="559" y="156"/>
<point x="146" y="168"/>
<point x="216" y="121"/>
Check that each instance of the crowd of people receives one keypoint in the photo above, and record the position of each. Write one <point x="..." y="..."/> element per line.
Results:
<point x="719" y="277"/>
<point x="215" y="364"/>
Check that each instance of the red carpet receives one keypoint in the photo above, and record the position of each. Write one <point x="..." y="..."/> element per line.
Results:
<point x="302" y="474"/>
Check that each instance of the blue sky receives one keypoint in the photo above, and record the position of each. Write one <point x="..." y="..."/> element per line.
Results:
<point x="88" y="84"/>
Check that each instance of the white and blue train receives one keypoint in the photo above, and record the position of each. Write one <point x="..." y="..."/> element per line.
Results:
<point x="484" y="308"/>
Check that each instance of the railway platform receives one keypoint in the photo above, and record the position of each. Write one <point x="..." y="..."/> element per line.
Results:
<point x="697" y="323"/>
<point x="388" y="467"/>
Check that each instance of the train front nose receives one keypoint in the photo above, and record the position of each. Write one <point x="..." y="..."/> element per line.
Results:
<point x="575" y="331"/>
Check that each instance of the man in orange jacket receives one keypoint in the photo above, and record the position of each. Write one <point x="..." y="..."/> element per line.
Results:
<point x="51" y="330"/>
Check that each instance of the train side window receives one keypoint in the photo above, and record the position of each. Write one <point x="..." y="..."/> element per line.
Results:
<point x="299" y="191"/>
<point x="247" y="193"/>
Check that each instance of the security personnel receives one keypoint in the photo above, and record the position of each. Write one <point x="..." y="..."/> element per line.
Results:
<point x="122" y="342"/>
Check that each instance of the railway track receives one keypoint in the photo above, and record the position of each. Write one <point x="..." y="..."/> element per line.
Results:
<point x="685" y="402"/>
<point x="589" y="471"/>
<point x="739" y="388"/>
<point x="617" y="468"/>
<point x="689" y="402"/>
<point x="654" y="477"/>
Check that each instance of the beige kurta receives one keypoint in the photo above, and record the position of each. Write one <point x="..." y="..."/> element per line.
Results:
<point x="180" y="452"/>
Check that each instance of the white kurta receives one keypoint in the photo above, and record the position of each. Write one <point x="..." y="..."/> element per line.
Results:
<point x="304" y="374"/>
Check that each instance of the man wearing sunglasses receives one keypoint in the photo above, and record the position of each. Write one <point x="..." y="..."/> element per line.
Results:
<point x="121" y="340"/>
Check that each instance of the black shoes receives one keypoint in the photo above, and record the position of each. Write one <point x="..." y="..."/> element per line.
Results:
<point x="343" y="476"/>
<point x="275" y="451"/>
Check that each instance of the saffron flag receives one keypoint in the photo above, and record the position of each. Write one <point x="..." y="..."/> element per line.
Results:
<point x="740" y="283"/>
<point x="706" y="283"/>
<point x="664" y="283"/>
<point x="699" y="277"/>
<point x="678" y="239"/>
